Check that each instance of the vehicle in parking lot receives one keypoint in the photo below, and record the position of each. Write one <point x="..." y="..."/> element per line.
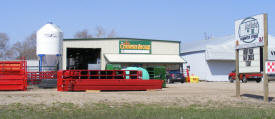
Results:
<point x="244" y="77"/>
<point x="175" y="76"/>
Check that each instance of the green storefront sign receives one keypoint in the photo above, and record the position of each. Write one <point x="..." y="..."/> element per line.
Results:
<point x="134" y="47"/>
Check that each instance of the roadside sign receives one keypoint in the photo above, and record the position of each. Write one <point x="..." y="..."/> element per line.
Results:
<point x="251" y="35"/>
<point x="270" y="67"/>
<point x="250" y="31"/>
<point x="249" y="60"/>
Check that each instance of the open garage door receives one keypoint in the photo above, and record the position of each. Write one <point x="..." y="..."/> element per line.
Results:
<point x="83" y="58"/>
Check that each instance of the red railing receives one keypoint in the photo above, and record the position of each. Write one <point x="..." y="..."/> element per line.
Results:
<point x="80" y="80"/>
<point x="36" y="77"/>
<point x="13" y="75"/>
<point x="102" y="74"/>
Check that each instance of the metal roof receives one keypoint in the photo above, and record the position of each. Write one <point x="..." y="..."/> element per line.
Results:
<point x="222" y="48"/>
<point x="202" y="44"/>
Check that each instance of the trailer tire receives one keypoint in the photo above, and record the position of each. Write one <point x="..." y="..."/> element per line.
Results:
<point x="258" y="80"/>
<point x="230" y="79"/>
<point x="244" y="79"/>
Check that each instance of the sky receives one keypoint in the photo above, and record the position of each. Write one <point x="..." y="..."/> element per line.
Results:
<point x="181" y="20"/>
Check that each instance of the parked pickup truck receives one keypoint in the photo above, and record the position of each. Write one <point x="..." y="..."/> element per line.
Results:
<point x="244" y="77"/>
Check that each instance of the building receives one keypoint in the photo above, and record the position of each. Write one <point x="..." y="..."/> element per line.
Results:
<point x="214" y="59"/>
<point x="211" y="59"/>
<point x="95" y="53"/>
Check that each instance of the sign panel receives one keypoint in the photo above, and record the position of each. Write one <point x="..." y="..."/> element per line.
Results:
<point x="249" y="32"/>
<point x="271" y="53"/>
<point x="270" y="67"/>
<point x="249" y="60"/>
<point x="134" y="47"/>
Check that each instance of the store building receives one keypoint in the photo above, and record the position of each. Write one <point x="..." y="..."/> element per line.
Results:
<point x="95" y="53"/>
<point x="211" y="59"/>
<point x="214" y="59"/>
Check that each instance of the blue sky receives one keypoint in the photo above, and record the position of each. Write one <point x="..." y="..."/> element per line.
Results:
<point x="183" y="20"/>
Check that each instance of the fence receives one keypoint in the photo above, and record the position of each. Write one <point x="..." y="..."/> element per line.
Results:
<point x="36" y="77"/>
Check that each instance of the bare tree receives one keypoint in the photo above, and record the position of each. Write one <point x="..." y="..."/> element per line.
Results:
<point x="83" y="34"/>
<point x="26" y="49"/>
<point x="9" y="54"/>
<point x="112" y="34"/>
<point x="4" y="40"/>
<point x="16" y="49"/>
<point x="30" y="47"/>
<point x="100" y="32"/>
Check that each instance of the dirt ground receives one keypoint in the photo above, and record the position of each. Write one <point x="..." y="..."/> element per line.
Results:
<point x="202" y="93"/>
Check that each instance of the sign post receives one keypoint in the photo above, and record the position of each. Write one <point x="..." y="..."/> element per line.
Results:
<point x="251" y="48"/>
<point x="265" y="55"/>
<point x="238" y="88"/>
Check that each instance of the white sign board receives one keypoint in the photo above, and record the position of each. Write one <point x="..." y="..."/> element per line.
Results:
<point x="270" y="67"/>
<point x="249" y="32"/>
<point x="249" y="60"/>
<point x="271" y="53"/>
<point x="271" y="48"/>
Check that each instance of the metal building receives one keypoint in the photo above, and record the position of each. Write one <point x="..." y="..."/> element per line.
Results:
<point x="95" y="53"/>
<point x="214" y="59"/>
<point x="211" y="59"/>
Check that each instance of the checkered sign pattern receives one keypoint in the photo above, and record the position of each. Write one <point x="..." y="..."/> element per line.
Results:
<point x="270" y="67"/>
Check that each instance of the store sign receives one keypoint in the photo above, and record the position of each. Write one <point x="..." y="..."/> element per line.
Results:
<point x="134" y="47"/>
<point x="270" y="67"/>
<point x="249" y="32"/>
<point x="249" y="60"/>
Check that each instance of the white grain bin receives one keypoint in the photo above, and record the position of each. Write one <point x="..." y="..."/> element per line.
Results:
<point x="49" y="45"/>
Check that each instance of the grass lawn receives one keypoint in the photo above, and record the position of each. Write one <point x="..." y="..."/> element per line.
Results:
<point x="137" y="111"/>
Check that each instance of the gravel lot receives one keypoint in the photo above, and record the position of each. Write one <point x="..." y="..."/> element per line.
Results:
<point x="202" y="93"/>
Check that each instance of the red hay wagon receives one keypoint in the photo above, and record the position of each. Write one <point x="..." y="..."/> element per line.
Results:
<point x="81" y="80"/>
<point x="13" y="75"/>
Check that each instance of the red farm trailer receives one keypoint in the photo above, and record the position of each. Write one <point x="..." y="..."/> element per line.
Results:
<point x="13" y="75"/>
<point x="81" y="80"/>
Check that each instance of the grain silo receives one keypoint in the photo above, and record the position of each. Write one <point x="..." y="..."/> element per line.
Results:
<point x="49" y="46"/>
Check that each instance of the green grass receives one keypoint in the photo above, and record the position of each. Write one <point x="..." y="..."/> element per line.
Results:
<point x="137" y="111"/>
